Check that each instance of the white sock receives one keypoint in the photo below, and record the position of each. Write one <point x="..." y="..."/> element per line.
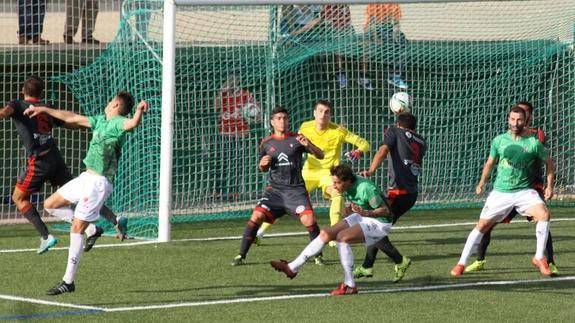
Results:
<point x="261" y="232"/>
<point x="90" y="230"/>
<point x="346" y="259"/>
<point x="312" y="249"/>
<point x="542" y="233"/>
<point x="74" y="253"/>
<point x="64" y="213"/>
<point x="473" y="240"/>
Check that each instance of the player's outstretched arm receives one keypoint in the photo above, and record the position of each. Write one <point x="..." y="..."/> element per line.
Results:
<point x="550" y="168"/>
<point x="361" y="143"/>
<point x="6" y="112"/>
<point x="379" y="157"/>
<point x="71" y="119"/>
<point x="485" y="174"/>
<point x="133" y="123"/>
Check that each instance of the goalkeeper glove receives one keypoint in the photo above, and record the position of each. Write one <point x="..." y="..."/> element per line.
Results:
<point x="354" y="155"/>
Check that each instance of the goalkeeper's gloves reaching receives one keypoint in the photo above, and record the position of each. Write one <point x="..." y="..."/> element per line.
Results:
<point x="354" y="155"/>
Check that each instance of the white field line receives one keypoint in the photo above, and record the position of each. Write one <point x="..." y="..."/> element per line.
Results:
<point x="286" y="297"/>
<point x="286" y="234"/>
<point x="43" y="302"/>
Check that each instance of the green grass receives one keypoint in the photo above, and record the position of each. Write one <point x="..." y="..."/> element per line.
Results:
<point x="199" y="271"/>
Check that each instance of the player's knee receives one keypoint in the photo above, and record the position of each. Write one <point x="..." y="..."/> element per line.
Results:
<point x="257" y="217"/>
<point x="342" y="237"/>
<point x="326" y="236"/>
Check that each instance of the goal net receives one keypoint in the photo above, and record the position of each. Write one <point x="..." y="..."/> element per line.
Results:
<point x="464" y="64"/>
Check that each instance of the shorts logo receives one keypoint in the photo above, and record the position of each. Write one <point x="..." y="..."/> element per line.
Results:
<point x="300" y="209"/>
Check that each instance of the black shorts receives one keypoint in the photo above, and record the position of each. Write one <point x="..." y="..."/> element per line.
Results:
<point x="277" y="202"/>
<point x="400" y="204"/>
<point x="40" y="169"/>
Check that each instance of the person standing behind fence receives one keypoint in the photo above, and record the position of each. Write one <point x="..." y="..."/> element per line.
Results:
<point x="31" y="22"/>
<point x="87" y="11"/>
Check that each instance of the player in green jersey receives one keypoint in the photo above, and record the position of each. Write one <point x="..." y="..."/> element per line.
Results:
<point x="367" y="220"/>
<point x="515" y="155"/>
<point x="90" y="190"/>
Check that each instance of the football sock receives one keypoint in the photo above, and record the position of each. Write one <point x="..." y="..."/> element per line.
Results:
<point x="31" y="214"/>
<point x="74" y="253"/>
<point x="249" y="237"/>
<point x="64" y="213"/>
<point x="370" y="255"/>
<point x="262" y="231"/>
<point x="541" y="232"/>
<point x="346" y="259"/>
<point x="471" y="243"/>
<point x="483" y="244"/>
<point x="313" y="231"/>
<point x="312" y="249"/>
<point x="107" y="214"/>
<point x="389" y="249"/>
<point x="336" y="208"/>
<point x="549" y="249"/>
<point x="90" y="230"/>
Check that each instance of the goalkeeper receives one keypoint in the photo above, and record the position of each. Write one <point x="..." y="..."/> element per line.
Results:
<point x="329" y="137"/>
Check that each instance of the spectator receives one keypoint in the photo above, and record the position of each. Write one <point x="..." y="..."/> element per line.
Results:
<point x="86" y="10"/>
<point x="382" y="26"/>
<point x="31" y="21"/>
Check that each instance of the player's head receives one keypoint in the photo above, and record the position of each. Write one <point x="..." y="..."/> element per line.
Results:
<point x="342" y="177"/>
<point x="528" y="108"/>
<point x="516" y="120"/>
<point x="279" y="119"/>
<point x="322" y="112"/>
<point x="407" y="120"/>
<point x="122" y="104"/>
<point x="33" y="87"/>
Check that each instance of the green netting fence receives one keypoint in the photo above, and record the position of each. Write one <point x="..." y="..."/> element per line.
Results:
<point x="465" y="64"/>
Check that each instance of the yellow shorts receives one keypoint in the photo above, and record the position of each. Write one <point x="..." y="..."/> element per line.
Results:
<point x="315" y="179"/>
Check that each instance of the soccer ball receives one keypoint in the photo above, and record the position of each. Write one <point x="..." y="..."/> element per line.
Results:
<point x="400" y="102"/>
<point x="251" y="112"/>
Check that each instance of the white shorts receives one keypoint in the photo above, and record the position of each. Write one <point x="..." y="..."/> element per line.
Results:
<point x="373" y="230"/>
<point x="89" y="192"/>
<point x="499" y="204"/>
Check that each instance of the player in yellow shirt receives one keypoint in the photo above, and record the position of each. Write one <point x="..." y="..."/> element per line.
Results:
<point x="329" y="137"/>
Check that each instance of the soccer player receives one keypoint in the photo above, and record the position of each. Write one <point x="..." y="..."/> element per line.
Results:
<point x="538" y="185"/>
<point x="281" y="155"/>
<point x="405" y="150"/>
<point x="360" y="225"/>
<point x="45" y="163"/>
<point x="90" y="190"/>
<point x="515" y="154"/>
<point x="329" y="137"/>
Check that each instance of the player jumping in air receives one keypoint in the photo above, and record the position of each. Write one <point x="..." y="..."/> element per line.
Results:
<point x="90" y="190"/>
<point x="45" y="163"/>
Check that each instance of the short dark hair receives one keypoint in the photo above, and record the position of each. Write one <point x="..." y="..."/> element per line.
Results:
<point x="526" y="104"/>
<point x="343" y="172"/>
<point x="517" y="109"/>
<point x="325" y="103"/>
<point x="407" y="120"/>
<point x="33" y="86"/>
<point x="127" y="102"/>
<point x="278" y="109"/>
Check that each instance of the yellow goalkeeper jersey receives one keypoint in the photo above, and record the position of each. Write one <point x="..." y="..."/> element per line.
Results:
<point x="330" y="140"/>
